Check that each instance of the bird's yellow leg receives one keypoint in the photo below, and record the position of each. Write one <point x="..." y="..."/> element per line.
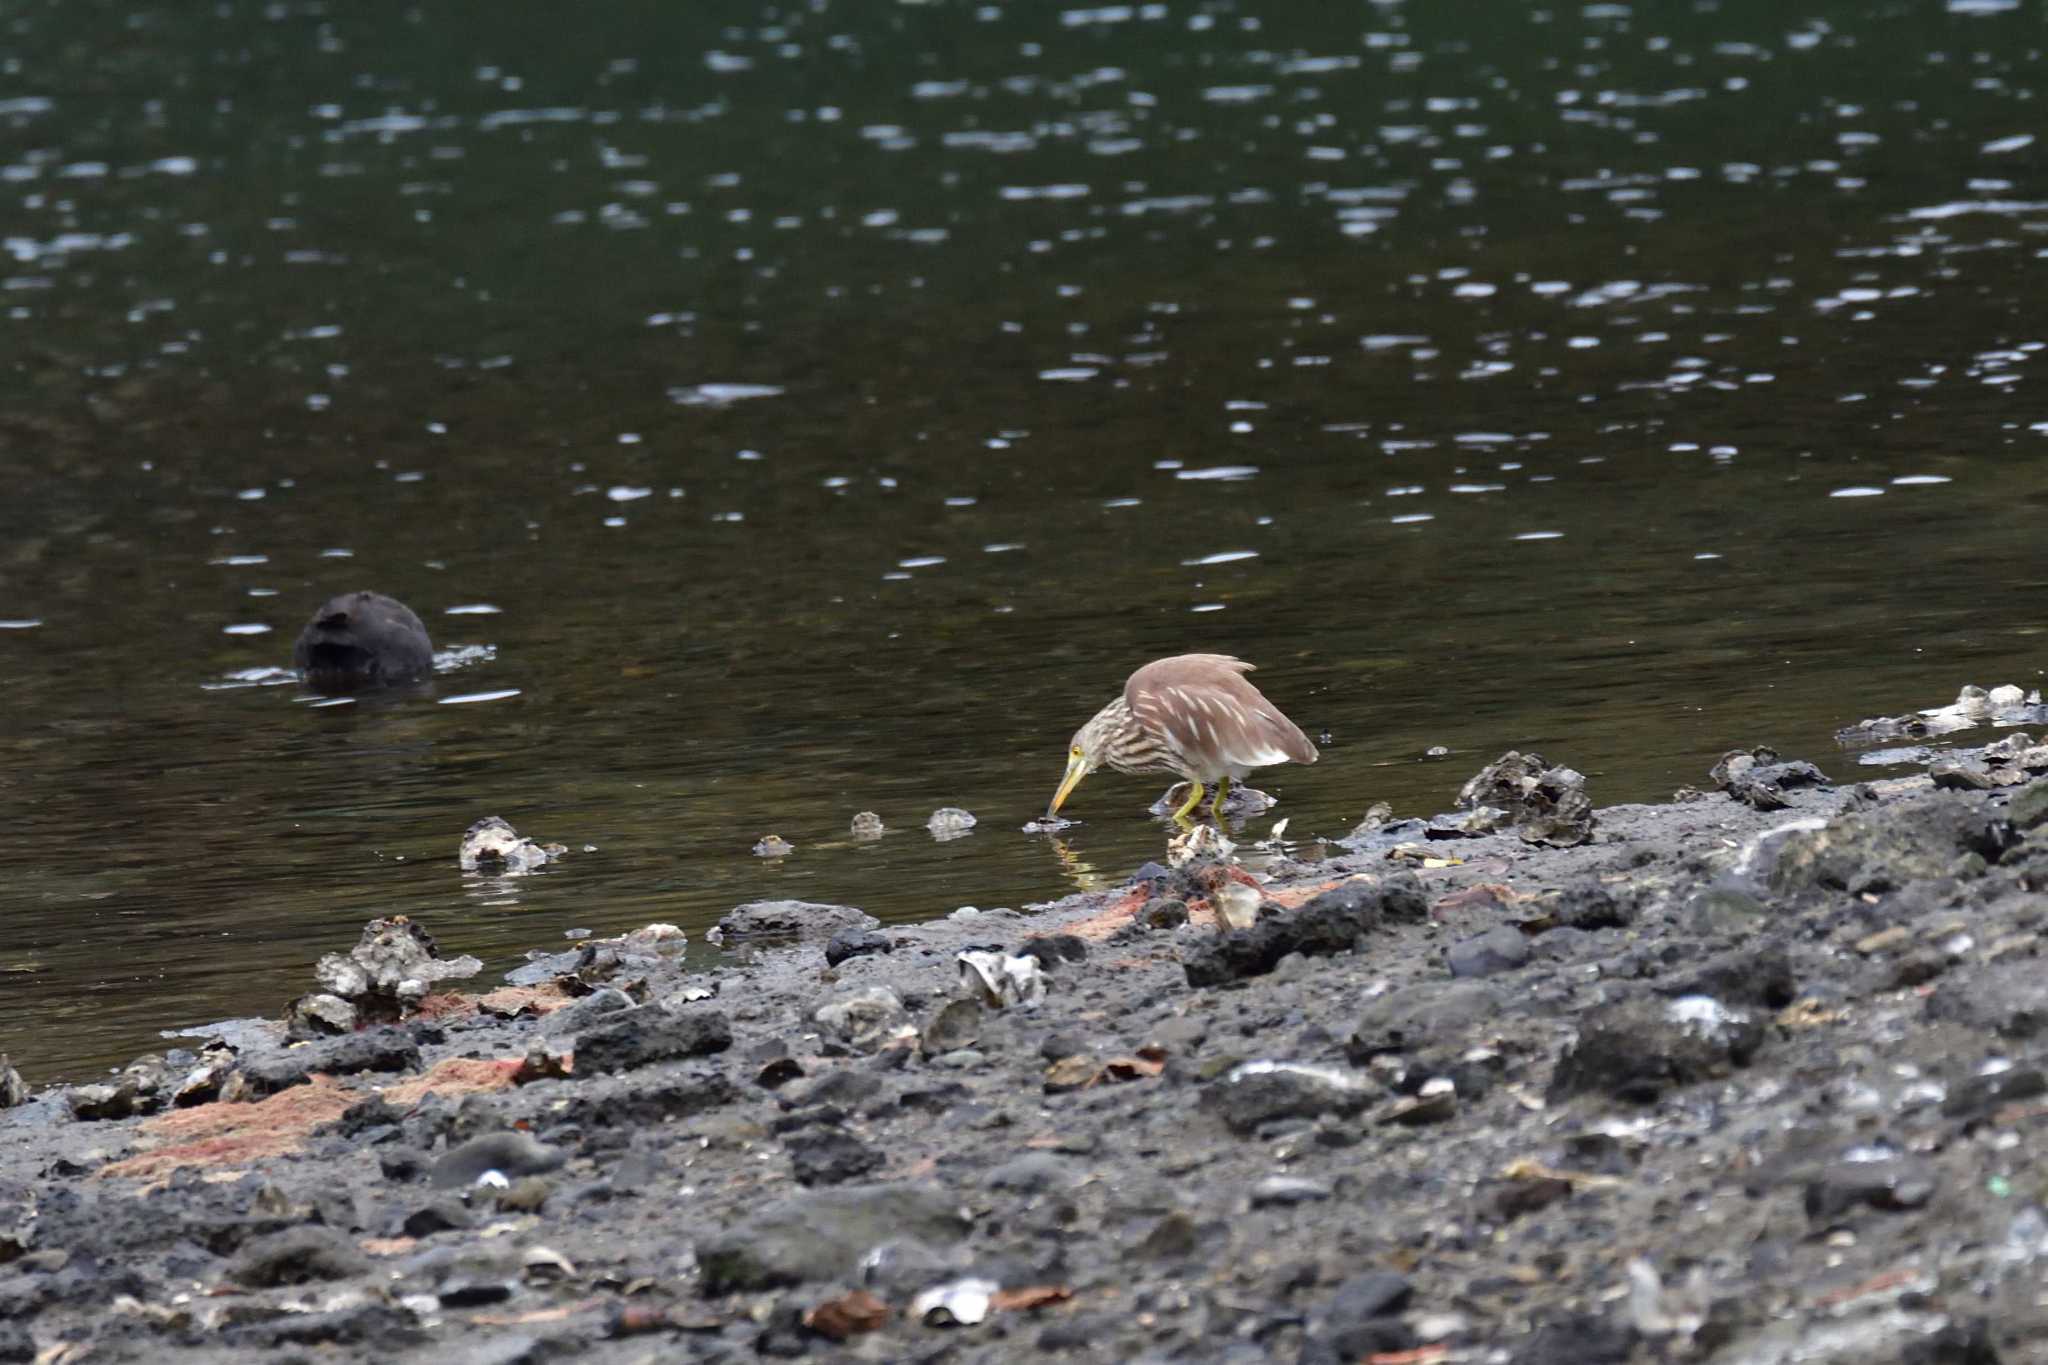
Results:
<point x="1194" y="799"/>
<point x="1222" y="790"/>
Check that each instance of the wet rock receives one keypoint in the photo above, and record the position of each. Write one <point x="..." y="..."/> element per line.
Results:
<point x="13" y="1089"/>
<point x="1360" y="1321"/>
<point x="142" y="1087"/>
<point x="1034" y="1173"/>
<point x="769" y="921"/>
<point x="440" y="1215"/>
<point x="1548" y="804"/>
<point x="1579" y="1339"/>
<point x="1943" y="835"/>
<point x="1420" y="1017"/>
<point x="2028" y="807"/>
<point x="1893" y="1184"/>
<point x="388" y="1330"/>
<point x="773" y="846"/>
<point x="1759" y="974"/>
<point x="2005" y="999"/>
<point x="379" y="1050"/>
<point x="17" y="1347"/>
<point x="866" y="825"/>
<point x="392" y="967"/>
<point x="956" y="1025"/>
<point x="1503" y="949"/>
<point x="1332" y="922"/>
<point x="1992" y="1088"/>
<point x="949" y="822"/>
<point x="362" y="640"/>
<point x="851" y="943"/>
<point x="2005" y="705"/>
<point x="864" y="1019"/>
<point x="1589" y="905"/>
<point x="1638" y="1049"/>
<point x="588" y="1012"/>
<point x="302" y="1255"/>
<point x="1164" y="912"/>
<point x="510" y="1154"/>
<point x="1959" y="775"/>
<point x="1054" y="950"/>
<point x="827" y="1156"/>
<point x="648" y="1034"/>
<point x="492" y="846"/>
<point x="1174" y="1237"/>
<point x="1255" y="1093"/>
<point x="1239" y="803"/>
<point x="319" y="1015"/>
<point x="823" y="1234"/>
<point x="1758" y="778"/>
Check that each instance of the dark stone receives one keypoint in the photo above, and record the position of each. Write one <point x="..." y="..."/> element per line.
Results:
<point x="1503" y="949"/>
<point x="366" y="1117"/>
<point x="1054" y="950"/>
<point x="852" y="942"/>
<point x="1894" y="1185"/>
<point x="587" y="1012"/>
<point x="1416" y="1017"/>
<point x="1259" y="1092"/>
<point x="362" y="640"/>
<point x="402" y="1163"/>
<point x="1357" y="1321"/>
<point x="1333" y="922"/>
<point x="511" y="1154"/>
<point x="1638" y="1049"/>
<point x="1947" y="834"/>
<point x="822" y="1234"/>
<point x="640" y="1037"/>
<point x="1589" y="905"/>
<point x="17" y="1347"/>
<point x="1164" y="912"/>
<point x="441" y="1215"/>
<point x="827" y="1156"/>
<point x="1033" y="1173"/>
<point x="956" y="1025"/>
<point x="386" y="1328"/>
<point x="1174" y="1237"/>
<point x="809" y="920"/>
<point x="1580" y="1339"/>
<point x="2005" y="999"/>
<point x="2027" y="808"/>
<point x="1757" y="974"/>
<point x="381" y="1050"/>
<point x="1985" y="1091"/>
<point x="299" y="1255"/>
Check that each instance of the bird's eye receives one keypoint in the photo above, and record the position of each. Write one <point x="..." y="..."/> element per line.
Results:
<point x="1076" y="751"/>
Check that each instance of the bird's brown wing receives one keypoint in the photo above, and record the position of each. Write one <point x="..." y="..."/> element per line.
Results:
<point x="1203" y="704"/>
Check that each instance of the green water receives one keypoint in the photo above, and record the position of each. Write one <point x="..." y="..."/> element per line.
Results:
<point x="1542" y="352"/>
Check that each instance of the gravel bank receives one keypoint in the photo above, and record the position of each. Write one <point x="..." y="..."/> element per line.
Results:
<point x="1722" y="1083"/>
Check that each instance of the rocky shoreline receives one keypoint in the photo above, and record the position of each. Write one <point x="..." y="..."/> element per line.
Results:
<point x="1750" y="1077"/>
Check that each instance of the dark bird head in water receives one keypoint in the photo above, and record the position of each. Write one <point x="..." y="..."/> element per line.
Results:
<point x="362" y="640"/>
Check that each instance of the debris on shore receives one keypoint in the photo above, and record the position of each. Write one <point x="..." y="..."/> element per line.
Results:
<point x="1707" y="1081"/>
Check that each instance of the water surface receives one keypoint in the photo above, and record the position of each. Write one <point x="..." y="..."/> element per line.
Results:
<point x="794" y="410"/>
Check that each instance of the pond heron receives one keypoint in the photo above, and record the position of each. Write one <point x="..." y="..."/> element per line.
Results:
<point x="1192" y="714"/>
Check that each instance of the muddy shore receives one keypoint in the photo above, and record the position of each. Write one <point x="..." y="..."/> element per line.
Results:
<point x="1754" y="1076"/>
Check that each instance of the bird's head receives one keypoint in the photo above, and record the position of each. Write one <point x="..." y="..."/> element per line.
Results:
<point x="1085" y="752"/>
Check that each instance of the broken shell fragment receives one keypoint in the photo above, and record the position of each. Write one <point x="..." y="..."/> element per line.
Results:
<point x="999" y="980"/>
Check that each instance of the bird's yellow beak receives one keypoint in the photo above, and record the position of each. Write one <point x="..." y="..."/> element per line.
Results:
<point x="1077" y="768"/>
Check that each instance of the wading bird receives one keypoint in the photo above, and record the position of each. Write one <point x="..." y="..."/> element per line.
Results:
<point x="1192" y="714"/>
